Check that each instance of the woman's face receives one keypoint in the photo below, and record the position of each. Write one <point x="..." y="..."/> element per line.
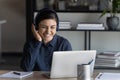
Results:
<point x="47" y="29"/>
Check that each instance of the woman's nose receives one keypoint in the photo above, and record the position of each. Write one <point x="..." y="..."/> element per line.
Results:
<point x="48" y="30"/>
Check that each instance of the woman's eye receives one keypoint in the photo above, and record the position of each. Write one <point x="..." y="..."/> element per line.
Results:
<point x="52" y="27"/>
<point x="43" y="26"/>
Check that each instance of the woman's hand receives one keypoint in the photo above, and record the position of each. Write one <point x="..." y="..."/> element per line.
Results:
<point x="35" y="33"/>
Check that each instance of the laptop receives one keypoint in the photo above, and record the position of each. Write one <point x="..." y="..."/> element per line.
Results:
<point x="64" y="63"/>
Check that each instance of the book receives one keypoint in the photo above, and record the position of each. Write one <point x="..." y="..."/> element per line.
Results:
<point x="15" y="74"/>
<point x="90" y="26"/>
<point x="65" y="25"/>
<point x="108" y="76"/>
<point x="107" y="61"/>
<point x="94" y="24"/>
<point x="109" y="55"/>
<point x="116" y="65"/>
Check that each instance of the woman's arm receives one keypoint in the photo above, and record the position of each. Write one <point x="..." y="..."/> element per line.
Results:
<point x="35" y="33"/>
<point x="30" y="54"/>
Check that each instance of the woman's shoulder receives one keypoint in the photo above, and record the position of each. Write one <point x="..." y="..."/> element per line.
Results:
<point x="64" y="43"/>
<point x="61" y="38"/>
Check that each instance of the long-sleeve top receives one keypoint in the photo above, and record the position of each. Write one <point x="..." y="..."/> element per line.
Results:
<point x="38" y="56"/>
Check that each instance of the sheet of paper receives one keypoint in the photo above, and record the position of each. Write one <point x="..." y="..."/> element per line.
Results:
<point x="15" y="74"/>
<point x="108" y="76"/>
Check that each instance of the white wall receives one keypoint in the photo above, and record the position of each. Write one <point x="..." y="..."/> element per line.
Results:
<point x="13" y="32"/>
<point x="105" y="41"/>
<point x="76" y="38"/>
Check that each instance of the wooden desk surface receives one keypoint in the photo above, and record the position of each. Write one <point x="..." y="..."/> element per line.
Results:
<point x="37" y="75"/>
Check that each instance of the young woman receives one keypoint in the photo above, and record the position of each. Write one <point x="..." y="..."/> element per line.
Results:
<point x="37" y="53"/>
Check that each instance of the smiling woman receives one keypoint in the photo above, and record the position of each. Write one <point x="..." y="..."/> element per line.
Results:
<point x="38" y="51"/>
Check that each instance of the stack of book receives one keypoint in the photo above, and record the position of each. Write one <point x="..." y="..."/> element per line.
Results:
<point x="108" y="59"/>
<point x="65" y="25"/>
<point x="90" y="26"/>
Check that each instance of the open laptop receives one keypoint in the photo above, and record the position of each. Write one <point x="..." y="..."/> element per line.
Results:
<point x="64" y="63"/>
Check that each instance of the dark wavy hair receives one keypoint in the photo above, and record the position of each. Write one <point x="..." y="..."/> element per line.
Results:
<point x="46" y="13"/>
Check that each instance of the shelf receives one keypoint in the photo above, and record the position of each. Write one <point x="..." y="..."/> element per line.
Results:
<point x="71" y="6"/>
<point x="86" y="30"/>
<point x="111" y="68"/>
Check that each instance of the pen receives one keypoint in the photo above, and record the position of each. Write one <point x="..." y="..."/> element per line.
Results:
<point x="99" y="76"/>
<point x="90" y="61"/>
<point x="17" y="73"/>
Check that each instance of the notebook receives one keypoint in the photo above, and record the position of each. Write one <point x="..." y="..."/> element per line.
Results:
<point x="64" y="63"/>
<point x="108" y="76"/>
<point x="15" y="74"/>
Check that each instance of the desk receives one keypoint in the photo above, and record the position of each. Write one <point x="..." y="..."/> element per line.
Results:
<point x="37" y="75"/>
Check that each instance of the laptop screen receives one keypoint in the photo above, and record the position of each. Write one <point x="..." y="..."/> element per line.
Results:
<point x="64" y="63"/>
